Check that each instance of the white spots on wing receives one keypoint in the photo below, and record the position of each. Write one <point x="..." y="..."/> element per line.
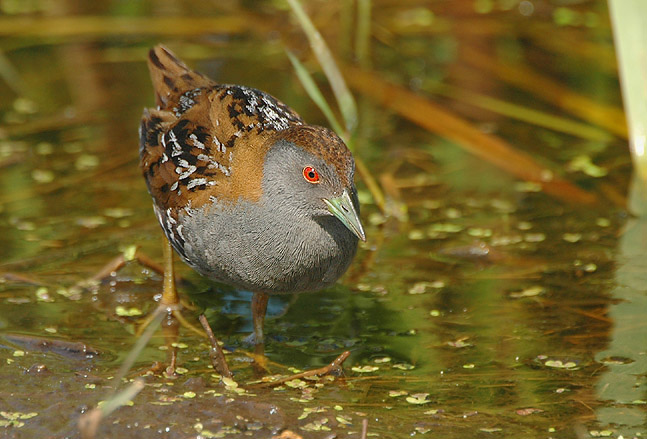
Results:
<point x="177" y="149"/>
<point x="270" y="114"/>
<point x="218" y="143"/>
<point x="174" y="186"/>
<point x="171" y="228"/>
<point x="164" y="158"/>
<point x="190" y="170"/>
<point x="252" y="100"/>
<point x="196" y="142"/>
<point x="276" y="118"/>
<point x="225" y="170"/>
<point x="196" y="182"/>
<point x="187" y="101"/>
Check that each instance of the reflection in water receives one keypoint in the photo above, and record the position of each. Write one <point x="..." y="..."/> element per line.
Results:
<point x="626" y="357"/>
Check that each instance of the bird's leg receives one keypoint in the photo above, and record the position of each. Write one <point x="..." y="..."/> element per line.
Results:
<point x="259" y="307"/>
<point x="170" y="301"/>
<point x="170" y="298"/>
<point x="170" y="330"/>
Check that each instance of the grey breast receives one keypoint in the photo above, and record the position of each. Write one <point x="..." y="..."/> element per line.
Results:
<point x="251" y="248"/>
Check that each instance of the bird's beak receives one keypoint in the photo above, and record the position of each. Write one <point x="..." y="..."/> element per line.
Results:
<point x="342" y="207"/>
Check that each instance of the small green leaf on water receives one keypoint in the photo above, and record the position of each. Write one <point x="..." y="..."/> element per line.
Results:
<point x="181" y="370"/>
<point x="229" y="383"/>
<point x="532" y="291"/>
<point x="44" y="148"/>
<point x="479" y="232"/>
<point x="403" y="366"/>
<point x="396" y="393"/>
<point x="524" y="225"/>
<point x="572" y="237"/>
<point x="24" y="105"/>
<point x="382" y="360"/>
<point x="42" y="295"/>
<point x="590" y="268"/>
<point x="90" y="386"/>
<point x="129" y="253"/>
<point x="418" y="398"/>
<point x="445" y="227"/>
<point x="603" y="222"/>
<point x="468" y="366"/>
<point x="534" y="237"/>
<point x="18" y="353"/>
<point x="460" y="343"/>
<point x="364" y="369"/>
<point x="338" y="408"/>
<point x="118" y="212"/>
<point x="91" y="222"/>
<point x="558" y="364"/>
<point x="122" y="311"/>
<point x="584" y="164"/>
<point x="86" y="161"/>
<point x="434" y="313"/>
<point x="12" y="416"/>
<point x="527" y="186"/>
<point x="69" y="293"/>
<point x="490" y="430"/>
<point x="423" y="287"/>
<point x="189" y="394"/>
<point x="296" y="384"/>
<point x="344" y="420"/>
<point x="42" y="175"/>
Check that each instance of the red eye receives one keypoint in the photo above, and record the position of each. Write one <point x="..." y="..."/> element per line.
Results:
<point x="311" y="175"/>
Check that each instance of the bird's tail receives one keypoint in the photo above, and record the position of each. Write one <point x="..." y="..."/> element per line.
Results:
<point x="171" y="77"/>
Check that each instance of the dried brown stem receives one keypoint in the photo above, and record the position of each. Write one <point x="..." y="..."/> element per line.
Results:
<point x="216" y="353"/>
<point x="493" y="149"/>
<point x="364" y="428"/>
<point x="334" y="367"/>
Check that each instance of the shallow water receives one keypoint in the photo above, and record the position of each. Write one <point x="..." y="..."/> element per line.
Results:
<point x="493" y="310"/>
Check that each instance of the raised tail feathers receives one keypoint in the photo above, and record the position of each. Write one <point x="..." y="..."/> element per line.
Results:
<point x="171" y="77"/>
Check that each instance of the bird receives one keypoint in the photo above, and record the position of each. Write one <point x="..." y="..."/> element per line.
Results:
<point x="247" y="193"/>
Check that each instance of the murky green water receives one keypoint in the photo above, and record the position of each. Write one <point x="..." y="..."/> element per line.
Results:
<point x="495" y="311"/>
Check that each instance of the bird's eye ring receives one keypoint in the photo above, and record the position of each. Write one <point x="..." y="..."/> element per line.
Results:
<point x="311" y="175"/>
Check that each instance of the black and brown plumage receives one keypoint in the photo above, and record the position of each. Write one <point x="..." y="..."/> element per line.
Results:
<point x="246" y="192"/>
